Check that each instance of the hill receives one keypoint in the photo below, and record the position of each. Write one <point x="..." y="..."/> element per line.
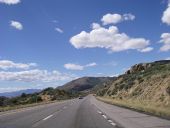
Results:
<point x="86" y="83"/>
<point x="18" y="93"/>
<point x="145" y="86"/>
<point x="46" y="95"/>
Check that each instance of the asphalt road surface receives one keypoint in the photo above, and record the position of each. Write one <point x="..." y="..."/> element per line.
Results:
<point x="79" y="113"/>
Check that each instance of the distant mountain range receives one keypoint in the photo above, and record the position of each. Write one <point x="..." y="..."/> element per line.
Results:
<point x="18" y="93"/>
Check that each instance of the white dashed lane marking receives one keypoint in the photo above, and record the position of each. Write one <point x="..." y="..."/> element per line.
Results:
<point x="99" y="112"/>
<point x="47" y="117"/>
<point x="110" y="121"/>
<point x="104" y="116"/>
<point x="113" y="124"/>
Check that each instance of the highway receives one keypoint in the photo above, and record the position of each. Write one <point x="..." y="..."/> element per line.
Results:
<point x="79" y="113"/>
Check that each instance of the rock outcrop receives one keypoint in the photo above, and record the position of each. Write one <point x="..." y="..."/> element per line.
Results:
<point x="138" y="68"/>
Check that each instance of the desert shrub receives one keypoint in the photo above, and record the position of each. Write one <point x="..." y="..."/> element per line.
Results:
<point x="137" y="91"/>
<point x="3" y="101"/>
<point x="39" y="99"/>
<point x="140" y="80"/>
<point x="164" y="76"/>
<point x="34" y="99"/>
<point x="168" y="90"/>
<point x="14" y="101"/>
<point x="162" y="97"/>
<point x="101" y="92"/>
<point x="129" y="84"/>
<point x="115" y="90"/>
<point x="121" y="86"/>
<point x="53" y="98"/>
<point x="109" y="92"/>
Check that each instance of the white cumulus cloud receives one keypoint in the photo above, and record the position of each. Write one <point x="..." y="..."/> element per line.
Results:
<point x="17" y="25"/>
<point x="27" y="74"/>
<point x="111" y="19"/>
<point x="71" y="66"/>
<point x="147" y="49"/>
<point x="90" y="64"/>
<point x="59" y="30"/>
<point x="35" y="75"/>
<point x="116" y="18"/>
<point x="128" y="16"/>
<point x="165" y="39"/>
<point x="95" y="26"/>
<point x="110" y="39"/>
<point x="10" y="2"/>
<point x="166" y="15"/>
<point x="7" y="64"/>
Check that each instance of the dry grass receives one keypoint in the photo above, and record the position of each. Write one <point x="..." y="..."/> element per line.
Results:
<point x="142" y="106"/>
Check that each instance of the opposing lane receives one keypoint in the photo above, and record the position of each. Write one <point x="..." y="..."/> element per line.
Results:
<point x="27" y="117"/>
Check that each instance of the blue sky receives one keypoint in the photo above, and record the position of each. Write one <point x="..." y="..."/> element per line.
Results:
<point x="47" y="43"/>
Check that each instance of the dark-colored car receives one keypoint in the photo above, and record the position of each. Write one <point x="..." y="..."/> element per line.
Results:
<point x="80" y="97"/>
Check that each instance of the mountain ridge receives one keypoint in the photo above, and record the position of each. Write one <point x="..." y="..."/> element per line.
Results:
<point x="18" y="93"/>
<point x="85" y="83"/>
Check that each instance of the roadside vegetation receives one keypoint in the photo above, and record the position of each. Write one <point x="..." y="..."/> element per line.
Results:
<point x="48" y="95"/>
<point x="144" y="87"/>
<point x="141" y="106"/>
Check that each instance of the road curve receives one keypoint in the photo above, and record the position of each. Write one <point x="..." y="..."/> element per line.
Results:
<point x="79" y="113"/>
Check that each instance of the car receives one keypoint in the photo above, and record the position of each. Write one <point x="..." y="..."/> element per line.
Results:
<point x="80" y="97"/>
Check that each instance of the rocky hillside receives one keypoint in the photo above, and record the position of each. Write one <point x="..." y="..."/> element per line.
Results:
<point x="86" y="83"/>
<point x="145" y="82"/>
